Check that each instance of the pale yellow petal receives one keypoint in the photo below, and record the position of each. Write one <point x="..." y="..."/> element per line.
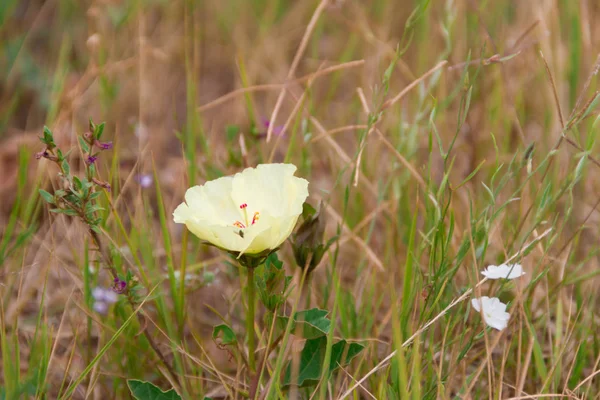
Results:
<point x="272" y="233"/>
<point x="212" y="202"/>
<point x="265" y="188"/>
<point x="270" y="191"/>
<point x="181" y="213"/>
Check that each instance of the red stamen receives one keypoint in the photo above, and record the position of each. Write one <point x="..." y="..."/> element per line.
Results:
<point x="239" y="224"/>
<point x="244" y="205"/>
<point x="255" y="217"/>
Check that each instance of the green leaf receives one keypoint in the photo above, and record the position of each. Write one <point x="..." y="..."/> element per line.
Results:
<point x="273" y="261"/>
<point x="47" y="196"/>
<point x="231" y="132"/>
<point x="77" y="183"/>
<point x="225" y="333"/>
<point x="308" y="211"/>
<point x="99" y="130"/>
<point x="313" y="356"/>
<point x="86" y="192"/>
<point x="84" y="146"/>
<point x="48" y="138"/>
<point x="309" y="324"/>
<point x="66" y="168"/>
<point x="94" y="195"/>
<point x="47" y="133"/>
<point x="271" y="282"/>
<point x="93" y="208"/>
<point x="66" y="211"/>
<point x="73" y="199"/>
<point x="147" y="391"/>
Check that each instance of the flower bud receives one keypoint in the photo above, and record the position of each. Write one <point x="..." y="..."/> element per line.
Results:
<point x="307" y="243"/>
<point x="104" y="145"/>
<point x="93" y="42"/>
<point x="66" y="184"/>
<point x="102" y="184"/>
<point x="41" y="154"/>
<point x="45" y="154"/>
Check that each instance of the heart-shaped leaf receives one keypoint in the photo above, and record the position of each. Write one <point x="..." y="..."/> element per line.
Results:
<point x="309" y="324"/>
<point x="312" y="359"/>
<point x="225" y="333"/>
<point x="147" y="391"/>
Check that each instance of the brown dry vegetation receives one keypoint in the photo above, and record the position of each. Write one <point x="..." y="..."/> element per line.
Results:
<point x="167" y="77"/>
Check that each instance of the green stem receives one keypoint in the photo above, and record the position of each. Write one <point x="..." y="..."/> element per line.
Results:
<point x="250" y="320"/>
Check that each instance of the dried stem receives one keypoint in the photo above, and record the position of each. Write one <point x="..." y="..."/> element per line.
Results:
<point x="113" y="271"/>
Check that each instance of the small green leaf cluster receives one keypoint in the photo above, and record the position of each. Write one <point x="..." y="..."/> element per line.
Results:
<point x="272" y="283"/>
<point x="77" y="196"/>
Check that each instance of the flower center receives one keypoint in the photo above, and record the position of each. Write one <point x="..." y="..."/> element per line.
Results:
<point x="246" y="223"/>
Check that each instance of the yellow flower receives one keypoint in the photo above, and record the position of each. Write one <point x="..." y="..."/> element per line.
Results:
<point x="249" y="213"/>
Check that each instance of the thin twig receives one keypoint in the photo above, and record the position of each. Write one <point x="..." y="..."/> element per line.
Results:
<point x="113" y="271"/>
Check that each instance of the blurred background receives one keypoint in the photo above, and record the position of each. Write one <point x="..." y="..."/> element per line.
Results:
<point x="190" y="90"/>
<point x="154" y="70"/>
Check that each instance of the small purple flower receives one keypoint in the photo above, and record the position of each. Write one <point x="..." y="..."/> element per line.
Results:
<point x="119" y="286"/>
<point x="41" y="154"/>
<point x="145" y="180"/>
<point x="44" y="154"/>
<point x="91" y="159"/>
<point x="104" y="145"/>
<point x="277" y="130"/>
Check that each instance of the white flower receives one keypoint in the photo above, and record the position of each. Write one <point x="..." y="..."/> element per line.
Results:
<point x="100" y="307"/>
<point x="102" y="299"/>
<point x="145" y="180"/>
<point x="253" y="211"/>
<point x="504" y="271"/>
<point x="105" y="295"/>
<point x="494" y="311"/>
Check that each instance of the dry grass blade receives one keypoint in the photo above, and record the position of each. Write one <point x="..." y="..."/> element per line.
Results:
<point x="554" y="91"/>
<point x="412" y="85"/>
<point x="458" y="300"/>
<point x="424" y="172"/>
<point x="274" y="86"/>
<point x="295" y="63"/>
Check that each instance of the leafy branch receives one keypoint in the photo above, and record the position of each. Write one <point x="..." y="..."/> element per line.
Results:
<point x="78" y="197"/>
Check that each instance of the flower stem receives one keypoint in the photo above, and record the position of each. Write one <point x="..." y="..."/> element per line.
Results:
<point x="250" y="320"/>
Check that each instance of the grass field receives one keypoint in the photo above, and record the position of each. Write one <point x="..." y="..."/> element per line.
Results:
<point x="439" y="137"/>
